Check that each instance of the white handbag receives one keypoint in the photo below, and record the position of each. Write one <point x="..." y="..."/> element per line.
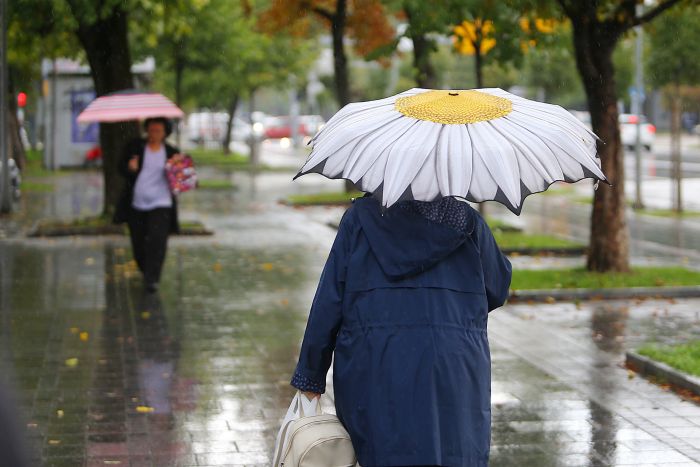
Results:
<point x="310" y="438"/>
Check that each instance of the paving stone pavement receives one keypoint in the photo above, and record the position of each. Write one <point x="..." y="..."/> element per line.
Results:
<point x="198" y="375"/>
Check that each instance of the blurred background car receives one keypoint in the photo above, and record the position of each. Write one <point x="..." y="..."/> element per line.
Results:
<point x="628" y="129"/>
<point x="209" y="128"/>
<point x="280" y="126"/>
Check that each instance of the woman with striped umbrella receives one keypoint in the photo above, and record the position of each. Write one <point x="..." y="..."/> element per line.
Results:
<point x="147" y="203"/>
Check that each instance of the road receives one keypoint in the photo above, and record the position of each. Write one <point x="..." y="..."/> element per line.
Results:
<point x="658" y="162"/>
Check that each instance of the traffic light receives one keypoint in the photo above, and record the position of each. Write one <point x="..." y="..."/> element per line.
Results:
<point x="21" y="99"/>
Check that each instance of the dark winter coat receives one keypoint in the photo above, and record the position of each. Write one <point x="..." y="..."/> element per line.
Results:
<point x="123" y="208"/>
<point x="403" y="304"/>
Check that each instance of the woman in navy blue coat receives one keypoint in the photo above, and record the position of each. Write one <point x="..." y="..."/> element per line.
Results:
<point x="403" y="304"/>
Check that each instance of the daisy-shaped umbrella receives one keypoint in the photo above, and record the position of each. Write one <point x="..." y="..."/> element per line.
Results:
<point x="480" y="144"/>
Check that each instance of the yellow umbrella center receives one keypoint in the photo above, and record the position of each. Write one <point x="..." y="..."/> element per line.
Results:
<point x="454" y="107"/>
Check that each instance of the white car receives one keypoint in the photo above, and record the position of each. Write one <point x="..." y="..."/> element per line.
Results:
<point x="628" y="129"/>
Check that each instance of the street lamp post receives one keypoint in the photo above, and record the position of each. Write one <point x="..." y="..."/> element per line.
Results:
<point x="5" y="194"/>
<point x="637" y="100"/>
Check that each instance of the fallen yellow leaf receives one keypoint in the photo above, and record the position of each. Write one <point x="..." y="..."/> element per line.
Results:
<point x="267" y="266"/>
<point x="72" y="362"/>
<point x="144" y="409"/>
<point x="54" y="442"/>
<point x="145" y="314"/>
<point x="217" y="267"/>
<point x="59" y="413"/>
<point x="84" y="336"/>
<point x="74" y="330"/>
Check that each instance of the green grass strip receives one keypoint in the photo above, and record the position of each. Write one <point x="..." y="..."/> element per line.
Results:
<point x="214" y="184"/>
<point x="683" y="357"/>
<point x="508" y="240"/>
<point x="215" y="157"/>
<point x="28" y="186"/>
<point x="331" y="197"/>
<point x="580" y="278"/>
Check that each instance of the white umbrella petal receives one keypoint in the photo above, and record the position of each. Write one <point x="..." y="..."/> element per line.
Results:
<point x="365" y="155"/>
<point x="374" y="177"/>
<point x="482" y="186"/>
<point x="537" y="146"/>
<point x="573" y="126"/>
<point x="351" y="119"/>
<point x="361" y="108"/>
<point x="425" y="186"/>
<point x="575" y="156"/>
<point x="337" y="162"/>
<point x="406" y="158"/>
<point x="499" y="158"/>
<point x="345" y="136"/>
<point x="533" y="173"/>
<point x="453" y="160"/>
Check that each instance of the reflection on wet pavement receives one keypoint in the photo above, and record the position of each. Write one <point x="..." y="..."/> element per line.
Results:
<point x="198" y="374"/>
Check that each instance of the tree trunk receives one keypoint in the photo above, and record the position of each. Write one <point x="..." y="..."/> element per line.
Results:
<point x="229" y="125"/>
<point x="676" y="130"/>
<point x="340" y="60"/>
<point x="14" y="139"/>
<point x="106" y="46"/>
<point x="478" y="65"/>
<point x="14" y="136"/>
<point x="609" y="237"/>
<point x="179" y="72"/>
<point x="252" y="138"/>
<point x="425" y="73"/>
<point x="422" y="47"/>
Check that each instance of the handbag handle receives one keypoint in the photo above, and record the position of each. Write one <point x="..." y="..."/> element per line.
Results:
<point x="301" y="404"/>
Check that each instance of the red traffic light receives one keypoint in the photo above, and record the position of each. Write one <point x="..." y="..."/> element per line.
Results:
<point x="21" y="99"/>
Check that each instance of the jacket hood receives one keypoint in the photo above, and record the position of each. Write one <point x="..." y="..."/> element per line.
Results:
<point x="404" y="242"/>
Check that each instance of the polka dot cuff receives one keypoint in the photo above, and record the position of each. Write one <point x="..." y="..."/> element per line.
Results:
<point x="303" y="383"/>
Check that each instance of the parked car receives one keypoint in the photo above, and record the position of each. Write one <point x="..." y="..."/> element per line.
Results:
<point x="281" y="127"/>
<point x="15" y="179"/>
<point x="628" y="129"/>
<point x="206" y="127"/>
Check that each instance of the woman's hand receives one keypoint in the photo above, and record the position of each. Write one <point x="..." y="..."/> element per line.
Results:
<point x="311" y="395"/>
<point x="133" y="164"/>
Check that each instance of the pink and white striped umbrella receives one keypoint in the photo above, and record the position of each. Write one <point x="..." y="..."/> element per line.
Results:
<point x="129" y="105"/>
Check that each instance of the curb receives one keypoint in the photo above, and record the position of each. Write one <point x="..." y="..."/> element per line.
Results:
<point x="291" y="204"/>
<point x="39" y="232"/>
<point x="603" y="294"/>
<point x="562" y="251"/>
<point x="648" y="367"/>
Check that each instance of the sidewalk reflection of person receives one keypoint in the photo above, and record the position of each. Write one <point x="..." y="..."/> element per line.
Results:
<point x="147" y="204"/>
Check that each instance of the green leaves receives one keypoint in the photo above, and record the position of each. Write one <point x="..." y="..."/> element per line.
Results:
<point x="675" y="48"/>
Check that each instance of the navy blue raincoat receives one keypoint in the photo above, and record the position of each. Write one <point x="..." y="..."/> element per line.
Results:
<point x="403" y="303"/>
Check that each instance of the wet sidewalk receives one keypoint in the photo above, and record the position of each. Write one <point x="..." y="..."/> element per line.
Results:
<point x="198" y="375"/>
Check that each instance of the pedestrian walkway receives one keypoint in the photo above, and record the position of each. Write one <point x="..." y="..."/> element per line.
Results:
<point x="591" y="408"/>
